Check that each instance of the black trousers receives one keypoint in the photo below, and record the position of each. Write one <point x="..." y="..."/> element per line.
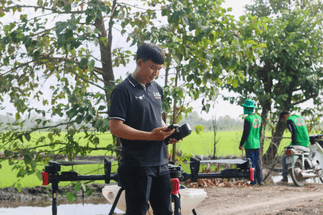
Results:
<point x="146" y="183"/>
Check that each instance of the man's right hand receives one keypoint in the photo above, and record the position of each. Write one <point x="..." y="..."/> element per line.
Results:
<point x="160" y="133"/>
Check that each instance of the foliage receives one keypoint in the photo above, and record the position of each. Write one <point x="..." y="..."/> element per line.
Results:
<point x="202" y="42"/>
<point x="289" y="71"/>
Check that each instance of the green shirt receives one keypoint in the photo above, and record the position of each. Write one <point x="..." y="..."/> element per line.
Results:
<point x="253" y="140"/>
<point x="300" y="135"/>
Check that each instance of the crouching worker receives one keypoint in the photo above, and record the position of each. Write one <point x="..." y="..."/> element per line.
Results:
<point x="296" y="125"/>
<point x="136" y="117"/>
<point x="251" y="138"/>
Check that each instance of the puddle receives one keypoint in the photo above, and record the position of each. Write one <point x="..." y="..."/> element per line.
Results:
<point x="97" y="206"/>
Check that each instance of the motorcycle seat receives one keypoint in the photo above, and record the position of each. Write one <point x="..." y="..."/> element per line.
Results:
<point x="301" y="148"/>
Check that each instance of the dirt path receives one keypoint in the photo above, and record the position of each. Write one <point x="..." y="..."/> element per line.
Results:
<point x="275" y="199"/>
<point x="270" y="199"/>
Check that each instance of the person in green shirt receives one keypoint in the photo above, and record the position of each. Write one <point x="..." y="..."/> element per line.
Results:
<point x="251" y="138"/>
<point x="296" y="125"/>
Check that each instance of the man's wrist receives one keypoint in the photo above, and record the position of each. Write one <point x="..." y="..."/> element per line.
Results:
<point x="148" y="135"/>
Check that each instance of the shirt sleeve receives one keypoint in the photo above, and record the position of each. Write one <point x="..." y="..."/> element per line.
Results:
<point x="246" y="131"/>
<point x="119" y="103"/>
<point x="291" y="127"/>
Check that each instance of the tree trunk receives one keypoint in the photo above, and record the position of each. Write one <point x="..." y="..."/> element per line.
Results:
<point x="174" y="114"/>
<point x="266" y="107"/>
<point x="107" y="69"/>
<point x="166" y="83"/>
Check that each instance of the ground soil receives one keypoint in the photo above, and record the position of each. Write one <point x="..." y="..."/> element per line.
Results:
<point x="280" y="199"/>
<point x="222" y="198"/>
<point x="268" y="199"/>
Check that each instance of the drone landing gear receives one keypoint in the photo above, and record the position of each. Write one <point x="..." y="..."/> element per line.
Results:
<point x="176" y="199"/>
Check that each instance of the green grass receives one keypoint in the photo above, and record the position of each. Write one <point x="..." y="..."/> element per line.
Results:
<point x="105" y="139"/>
<point x="9" y="176"/>
<point x="228" y="143"/>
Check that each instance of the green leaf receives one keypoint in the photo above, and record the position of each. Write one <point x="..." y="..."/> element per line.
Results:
<point x="193" y="64"/>
<point x="209" y="56"/>
<point x="5" y="40"/>
<point x="19" y="187"/>
<point x="89" y="192"/>
<point x="33" y="164"/>
<point x="96" y="140"/>
<point x="185" y="20"/>
<point x="77" y="186"/>
<point x="60" y="26"/>
<point x="89" y="19"/>
<point x="70" y="196"/>
<point x="102" y="107"/>
<point x="68" y="8"/>
<point x="242" y="18"/>
<point x="235" y="83"/>
<point x="36" y="54"/>
<point x="83" y="187"/>
<point x="98" y="14"/>
<point x="91" y="65"/>
<point x="84" y="62"/>
<point x="7" y="152"/>
<point x="27" y="136"/>
<point x="199" y="129"/>
<point x="39" y="175"/>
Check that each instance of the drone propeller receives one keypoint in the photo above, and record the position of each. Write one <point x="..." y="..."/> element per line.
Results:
<point x="228" y="161"/>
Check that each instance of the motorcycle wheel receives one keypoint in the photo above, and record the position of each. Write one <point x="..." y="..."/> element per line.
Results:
<point x="321" y="179"/>
<point x="297" y="179"/>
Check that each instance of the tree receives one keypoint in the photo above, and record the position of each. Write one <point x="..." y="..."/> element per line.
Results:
<point x="289" y="72"/>
<point x="200" y="40"/>
<point x="53" y="46"/>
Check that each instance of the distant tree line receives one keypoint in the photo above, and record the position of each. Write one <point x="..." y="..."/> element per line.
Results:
<point x="224" y="123"/>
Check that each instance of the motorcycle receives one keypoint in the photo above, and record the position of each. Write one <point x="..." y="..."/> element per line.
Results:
<point x="304" y="163"/>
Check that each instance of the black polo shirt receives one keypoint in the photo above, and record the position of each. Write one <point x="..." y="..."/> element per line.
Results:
<point x="139" y="108"/>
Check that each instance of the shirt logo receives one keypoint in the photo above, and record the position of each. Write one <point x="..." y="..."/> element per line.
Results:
<point x="256" y="123"/>
<point x="157" y="95"/>
<point x="140" y="97"/>
<point x="299" y="121"/>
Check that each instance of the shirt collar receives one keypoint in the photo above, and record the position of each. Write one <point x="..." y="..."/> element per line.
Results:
<point x="135" y="83"/>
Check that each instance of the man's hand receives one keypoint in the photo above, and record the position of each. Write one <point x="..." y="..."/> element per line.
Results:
<point x="173" y="140"/>
<point x="240" y="147"/>
<point x="161" y="133"/>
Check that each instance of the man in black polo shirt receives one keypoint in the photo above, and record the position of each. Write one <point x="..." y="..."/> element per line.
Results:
<point x="135" y="117"/>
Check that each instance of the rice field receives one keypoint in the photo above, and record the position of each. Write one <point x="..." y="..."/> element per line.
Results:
<point x="195" y="144"/>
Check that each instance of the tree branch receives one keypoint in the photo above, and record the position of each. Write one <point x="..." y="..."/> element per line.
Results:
<point x="54" y="10"/>
<point x="90" y="82"/>
<point x="304" y="100"/>
<point x="52" y="126"/>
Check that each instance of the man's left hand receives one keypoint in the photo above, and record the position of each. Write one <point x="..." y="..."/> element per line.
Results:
<point x="173" y="140"/>
<point x="240" y="147"/>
